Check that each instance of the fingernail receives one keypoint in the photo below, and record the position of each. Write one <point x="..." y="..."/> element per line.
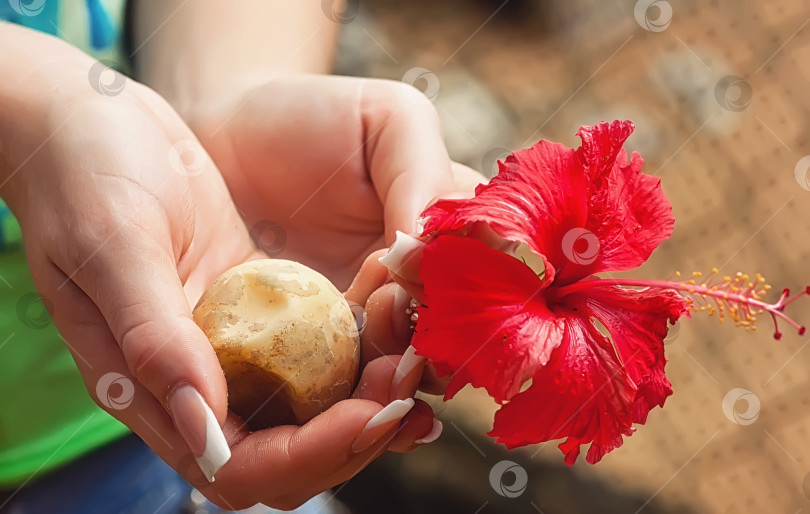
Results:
<point x="197" y="424"/>
<point x="434" y="433"/>
<point x="420" y="225"/>
<point x="408" y="365"/>
<point x="403" y="245"/>
<point x="381" y="423"/>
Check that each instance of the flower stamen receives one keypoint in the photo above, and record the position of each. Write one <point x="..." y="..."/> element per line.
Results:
<point x="738" y="297"/>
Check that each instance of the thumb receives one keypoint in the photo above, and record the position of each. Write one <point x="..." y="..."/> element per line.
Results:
<point x="133" y="281"/>
<point x="404" y="260"/>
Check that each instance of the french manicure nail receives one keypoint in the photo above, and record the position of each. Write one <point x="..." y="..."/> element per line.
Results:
<point x="381" y="423"/>
<point x="434" y="433"/>
<point x="197" y="424"/>
<point x="420" y="225"/>
<point x="408" y="364"/>
<point x="403" y="245"/>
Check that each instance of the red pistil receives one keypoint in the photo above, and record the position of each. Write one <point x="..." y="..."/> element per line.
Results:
<point x="734" y="296"/>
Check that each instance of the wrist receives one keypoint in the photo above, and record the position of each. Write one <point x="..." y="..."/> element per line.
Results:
<point x="200" y="100"/>
<point x="42" y="77"/>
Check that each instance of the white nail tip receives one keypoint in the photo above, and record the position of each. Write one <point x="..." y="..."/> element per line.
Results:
<point x="391" y="412"/>
<point x="420" y="225"/>
<point x="217" y="452"/>
<point x="434" y="433"/>
<point x="407" y="364"/>
<point x="403" y="245"/>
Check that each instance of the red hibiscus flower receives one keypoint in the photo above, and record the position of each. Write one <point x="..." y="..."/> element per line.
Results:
<point x="497" y="323"/>
<point x="509" y="293"/>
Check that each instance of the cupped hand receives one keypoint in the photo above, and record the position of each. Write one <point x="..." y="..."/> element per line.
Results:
<point x="126" y="221"/>
<point x="326" y="169"/>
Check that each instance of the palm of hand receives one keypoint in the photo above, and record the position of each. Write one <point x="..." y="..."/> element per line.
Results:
<point x="322" y="168"/>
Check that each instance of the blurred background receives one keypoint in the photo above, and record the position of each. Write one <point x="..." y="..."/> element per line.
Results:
<point x="719" y="94"/>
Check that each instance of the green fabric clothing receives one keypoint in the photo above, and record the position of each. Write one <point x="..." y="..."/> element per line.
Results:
<point x="47" y="417"/>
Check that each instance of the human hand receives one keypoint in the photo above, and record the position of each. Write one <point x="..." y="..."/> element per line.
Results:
<point x="130" y="238"/>
<point x="327" y="169"/>
<point x="336" y="164"/>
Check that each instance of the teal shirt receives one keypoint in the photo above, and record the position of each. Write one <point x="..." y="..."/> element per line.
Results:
<point x="47" y="417"/>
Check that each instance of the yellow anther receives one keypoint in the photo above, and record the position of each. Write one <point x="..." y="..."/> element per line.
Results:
<point x="726" y="279"/>
<point x="714" y="270"/>
<point x="691" y="281"/>
<point x="677" y="273"/>
<point x="697" y="274"/>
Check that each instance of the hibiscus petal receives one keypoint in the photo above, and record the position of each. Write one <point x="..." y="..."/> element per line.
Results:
<point x="601" y="144"/>
<point x="582" y="211"/>
<point x="637" y="323"/>
<point x="627" y="211"/>
<point x="583" y="393"/>
<point x="484" y="317"/>
<point x="538" y="195"/>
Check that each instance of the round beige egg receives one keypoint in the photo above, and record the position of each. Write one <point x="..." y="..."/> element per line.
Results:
<point x="286" y="338"/>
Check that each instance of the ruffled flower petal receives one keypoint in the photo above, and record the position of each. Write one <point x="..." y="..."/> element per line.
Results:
<point x="595" y="387"/>
<point x="637" y="321"/>
<point x="484" y="317"/>
<point x="582" y="394"/>
<point x="627" y="210"/>
<point x="582" y="211"/>
<point x="538" y="196"/>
